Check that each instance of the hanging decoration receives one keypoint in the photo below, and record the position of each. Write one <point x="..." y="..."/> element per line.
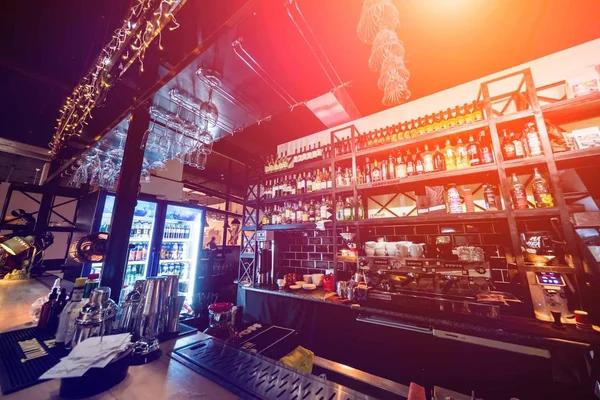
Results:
<point x="378" y="23"/>
<point x="144" y="22"/>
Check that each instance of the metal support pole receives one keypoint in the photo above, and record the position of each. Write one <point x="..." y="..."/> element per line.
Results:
<point x="41" y="223"/>
<point x="125" y="202"/>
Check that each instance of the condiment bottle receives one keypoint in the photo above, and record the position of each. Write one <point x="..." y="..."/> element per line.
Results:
<point x="47" y="308"/>
<point x="92" y="283"/>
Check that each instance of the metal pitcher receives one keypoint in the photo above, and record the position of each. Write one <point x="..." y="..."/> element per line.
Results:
<point x="130" y="308"/>
<point x="173" y="303"/>
<point x="151" y="317"/>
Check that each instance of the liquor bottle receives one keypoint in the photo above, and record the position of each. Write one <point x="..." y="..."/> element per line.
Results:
<point x="477" y="114"/>
<point x="533" y="140"/>
<point x="360" y="178"/>
<point x="437" y="121"/>
<point x="462" y="159"/>
<point x="519" y="196"/>
<point x="429" y="125"/>
<point x="460" y="115"/>
<point x="454" y="202"/>
<point x="428" y="165"/>
<point x="311" y="211"/>
<point x="319" y="153"/>
<point x="519" y="151"/>
<point x="413" y="129"/>
<point x="309" y="182"/>
<point x="473" y="151"/>
<point x="469" y="118"/>
<point x="387" y="138"/>
<point x="348" y="214"/>
<point x="451" y="117"/>
<point x="339" y="209"/>
<point x="264" y="221"/>
<point x="323" y="179"/>
<point x="347" y="177"/>
<point x="410" y="164"/>
<point x="400" y="166"/>
<point x="541" y="191"/>
<point x="379" y="137"/>
<point x="361" y="208"/>
<point x="418" y="162"/>
<point x="485" y="149"/>
<point x="367" y="171"/>
<point x="384" y="171"/>
<point x="323" y="210"/>
<point x="449" y="156"/>
<point x="395" y="132"/>
<point x="339" y="177"/>
<point x="391" y="167"/>
<point x="508" y="147"/>
<point x="445" y="117"/>
<point x="317" y="181"/>
<point x="489" y="195"/>
<point x="371" y="139"/>
<point x="376" y="172"/>
<point x="47" y="310"/>
<point x="438" y="159"/>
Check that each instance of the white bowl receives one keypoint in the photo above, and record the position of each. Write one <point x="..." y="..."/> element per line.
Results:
<point x="306" y="278"/>
<point x="380" y="251"/>
<point x="295" y="287"/>
<point x="299" y="283"/>
<point x="309" y="286"/>
<point x="317" y="279"/>
<point x="370" y="252"/>
<point x="370" y="244"/>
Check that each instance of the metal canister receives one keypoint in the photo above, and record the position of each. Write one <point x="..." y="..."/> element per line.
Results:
<point x="351" y="290"/>
<point x="342" y="289"/>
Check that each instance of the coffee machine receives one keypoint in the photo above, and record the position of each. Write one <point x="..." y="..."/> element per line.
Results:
<point x="267" y="258"/>
<point x="549" y="296"/>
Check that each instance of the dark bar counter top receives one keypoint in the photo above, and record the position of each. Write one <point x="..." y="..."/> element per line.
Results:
<point x="517" y="330"/>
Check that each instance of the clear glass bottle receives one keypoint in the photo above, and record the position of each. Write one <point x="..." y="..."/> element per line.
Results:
<point x="367" y="171"/>
<point x="508" y="147"/>
<point x="519" y="196"/>
<point x="418" y="162"/>
<point x="438" y="159"/>
<point x="541" y="191"/>
<point x="410" y="164"/>
<point x="400" y="166"/>
<point x="454" y="202"/>
<point x="462" y="158"/>
<point x="376" y="172"/>
<point x="473" y="151"/>
<point x="428" y="165"/>
<point x="533" y="140"/>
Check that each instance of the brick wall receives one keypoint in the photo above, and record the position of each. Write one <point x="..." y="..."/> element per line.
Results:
<point x="309" y="252"/>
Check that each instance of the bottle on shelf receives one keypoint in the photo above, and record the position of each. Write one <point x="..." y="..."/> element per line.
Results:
<point x="400" y="166"/>
<point x="438" y="159"/>
<point x="541" y="191"/>
<point x="473" y="152"/>
<point x="462" y="158"/>
<point x="428" y="164"/>
<point x="339" y="209"/>
<point x="348" y="210"/>
<point x="391" y="167"/>
<point x="489" y="196"/>
<point x="519" y="150"/>
<point x="508" y="147"/>
<point x="367" y="171"/>
<point x="375" y="172"/>
<point x="454" y="202"/>
<point x="410" y="164"/>
<point x="449" y="156"/>
<point x="533" y="140"/>
<point x="485" y="148"/>
<point x="519" y="196"/>
<point x="361" y="208"/>
<point x="418" y="159"/>
<point x="384" y="172"/>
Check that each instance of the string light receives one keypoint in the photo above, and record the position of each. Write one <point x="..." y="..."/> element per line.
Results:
<point x="145" y="20"/>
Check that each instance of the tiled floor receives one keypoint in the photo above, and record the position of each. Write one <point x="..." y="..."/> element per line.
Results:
<point x="16" y="298"/>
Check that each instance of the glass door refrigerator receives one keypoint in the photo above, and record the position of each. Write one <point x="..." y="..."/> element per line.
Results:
<point x="140" y="237"/>
<point x="180" y="246"/>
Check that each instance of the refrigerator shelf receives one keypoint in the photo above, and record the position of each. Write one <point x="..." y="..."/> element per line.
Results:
<point x="136" y="262"/>
<point x="171" y="240"/>
<point x="178" y="221"/>
<point x="185" y="260"/>
<point x="139" y="239"/>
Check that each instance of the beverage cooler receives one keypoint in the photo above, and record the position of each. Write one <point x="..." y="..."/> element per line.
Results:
<point x="166" y="238"/>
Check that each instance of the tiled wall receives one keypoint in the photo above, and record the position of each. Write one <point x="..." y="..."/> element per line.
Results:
<point x="307" y="252"/>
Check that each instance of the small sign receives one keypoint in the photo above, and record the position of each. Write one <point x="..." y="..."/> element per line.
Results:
<point x="414" y="263"/>
<point x="261" y="236"/>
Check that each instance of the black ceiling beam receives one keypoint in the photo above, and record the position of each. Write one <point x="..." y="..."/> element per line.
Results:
<point x="63" y="87"/>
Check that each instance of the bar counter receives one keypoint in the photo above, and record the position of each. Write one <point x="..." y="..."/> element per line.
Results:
<point x="164" y="378"/>
<point x="525" y="331"/>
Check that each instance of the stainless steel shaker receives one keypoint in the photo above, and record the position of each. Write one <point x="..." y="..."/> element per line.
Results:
<point x="151" y="317"/>
<point x="130" y="307"/>
<point x="89" y="322"/>
<point x="173" y="303"/>
<point x="109" y="310"/>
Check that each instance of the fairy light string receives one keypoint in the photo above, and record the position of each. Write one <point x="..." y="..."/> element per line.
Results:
<point x="144" y="22"/>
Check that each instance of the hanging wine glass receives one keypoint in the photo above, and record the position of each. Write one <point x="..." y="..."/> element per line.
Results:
<point x="209" y="113"/>
<point x="375" y="16"/>
<point x="395" y="92"/>
<point x="119" y="151"/>
<point x="386" y="44"/>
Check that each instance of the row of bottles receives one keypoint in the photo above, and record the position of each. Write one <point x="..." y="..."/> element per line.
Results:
<point x="139" y="252"/>
<point x="300" y="183"/>
<point x="140" y="229"/>
<point x="448" y="118"/>
<point x="133" y="273"/>
<point x="474" y="152"/>
<point x="298" y="212"/>
<point x="457" y="204"/>
<point x="176" y="231"/>
<point x="172" y="251"/>
<point x="182" y="269"/>
<point x="344" y="209"/>
<point x="541" y="192"/>
<point x="516" y="146"/>
<point x="282" y="161"/>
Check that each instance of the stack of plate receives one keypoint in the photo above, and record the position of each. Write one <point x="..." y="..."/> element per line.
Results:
<point x="582" y="321"/>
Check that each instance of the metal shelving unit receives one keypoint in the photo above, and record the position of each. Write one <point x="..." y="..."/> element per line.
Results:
<point x="560" y="111"/>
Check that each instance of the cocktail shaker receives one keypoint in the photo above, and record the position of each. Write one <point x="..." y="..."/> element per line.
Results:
<point x="342" y="289"/>
<point x="151" y="318"/>
<point x="173" y="303"/>
<point x="109" y="310"/>
<point x="89" y="322"/>
<point x="130" y="308"/>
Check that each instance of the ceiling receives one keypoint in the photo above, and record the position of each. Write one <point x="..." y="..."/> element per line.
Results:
<point x="448" y="42"/>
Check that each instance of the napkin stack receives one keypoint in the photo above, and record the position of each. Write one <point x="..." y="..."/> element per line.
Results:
<point x="94" y="352"/>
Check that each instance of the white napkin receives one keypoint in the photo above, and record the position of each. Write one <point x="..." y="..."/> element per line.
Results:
<point x="94" y="352"/>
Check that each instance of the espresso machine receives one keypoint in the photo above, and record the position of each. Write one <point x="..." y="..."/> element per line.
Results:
<point x="267" y="258"/>
<point x="549" y="296"/>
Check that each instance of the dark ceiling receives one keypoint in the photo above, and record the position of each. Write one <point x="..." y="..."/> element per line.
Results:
<point x="50" y="45"/>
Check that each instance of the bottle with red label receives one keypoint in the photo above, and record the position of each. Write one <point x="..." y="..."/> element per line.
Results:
<point x="519" y="196"/>
<point x="473" y="151"/>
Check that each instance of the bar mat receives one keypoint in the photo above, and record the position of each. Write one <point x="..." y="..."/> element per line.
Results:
<point x="183" y="330"/>
<point x="25" y="355"/>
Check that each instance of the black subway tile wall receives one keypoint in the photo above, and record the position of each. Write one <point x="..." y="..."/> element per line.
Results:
<point x="309" y="252"/>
